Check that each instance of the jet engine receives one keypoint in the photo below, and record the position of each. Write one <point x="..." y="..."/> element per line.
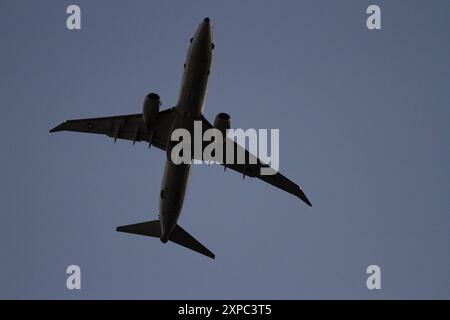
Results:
<point x="150" y="110"/>
<point x="222" y="122"/>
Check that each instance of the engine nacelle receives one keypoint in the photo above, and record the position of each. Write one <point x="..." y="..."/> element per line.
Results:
<point x="222" y="122"/>
<point x="150" y="110"/>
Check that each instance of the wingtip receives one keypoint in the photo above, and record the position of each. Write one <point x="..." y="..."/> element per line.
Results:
<point x="304" y="198"/>
<point x="209" y="253"/>
<point x="59" y="127"/>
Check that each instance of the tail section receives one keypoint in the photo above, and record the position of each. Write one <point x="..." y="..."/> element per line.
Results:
<point x="149" y="228"/>
<point x="184" y="239"/>
<point x="178" y="235"/>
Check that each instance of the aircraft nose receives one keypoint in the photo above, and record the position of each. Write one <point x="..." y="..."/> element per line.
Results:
<point x="202" y="41"/>
<point x="204" y="31"/>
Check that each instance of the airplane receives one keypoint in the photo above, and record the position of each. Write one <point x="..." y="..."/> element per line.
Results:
<point x="155" y="127"/>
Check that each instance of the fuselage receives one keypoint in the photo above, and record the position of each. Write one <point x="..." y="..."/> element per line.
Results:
<point x="189" y="108"/>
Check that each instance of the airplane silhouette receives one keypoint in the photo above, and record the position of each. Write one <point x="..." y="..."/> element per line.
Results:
<point x="155" y="127"/>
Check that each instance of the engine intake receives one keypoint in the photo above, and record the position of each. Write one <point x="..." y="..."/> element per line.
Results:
<point x="222" y="122"/>
<point x="150" y="110"/>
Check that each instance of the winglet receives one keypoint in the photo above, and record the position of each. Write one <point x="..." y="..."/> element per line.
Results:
<point x="302" y="196"/>
<point x="59" y="127"/>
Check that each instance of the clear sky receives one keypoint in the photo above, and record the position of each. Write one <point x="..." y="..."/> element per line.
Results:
<point x="364" y="119"/>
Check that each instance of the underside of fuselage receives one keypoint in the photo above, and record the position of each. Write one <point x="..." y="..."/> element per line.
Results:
<point x="189" y="108"/>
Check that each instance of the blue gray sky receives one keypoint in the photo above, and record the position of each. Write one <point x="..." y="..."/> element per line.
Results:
<point x="364" y="119"/>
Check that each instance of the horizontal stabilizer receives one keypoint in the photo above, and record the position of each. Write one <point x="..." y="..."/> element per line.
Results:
<point x="184" y="239"/>
<point x="178" y="235"/>
<point x="149" y="228"/>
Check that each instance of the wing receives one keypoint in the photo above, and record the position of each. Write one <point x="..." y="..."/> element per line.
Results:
<point x="128" y="127"/>
<point x="254" y="170"/>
